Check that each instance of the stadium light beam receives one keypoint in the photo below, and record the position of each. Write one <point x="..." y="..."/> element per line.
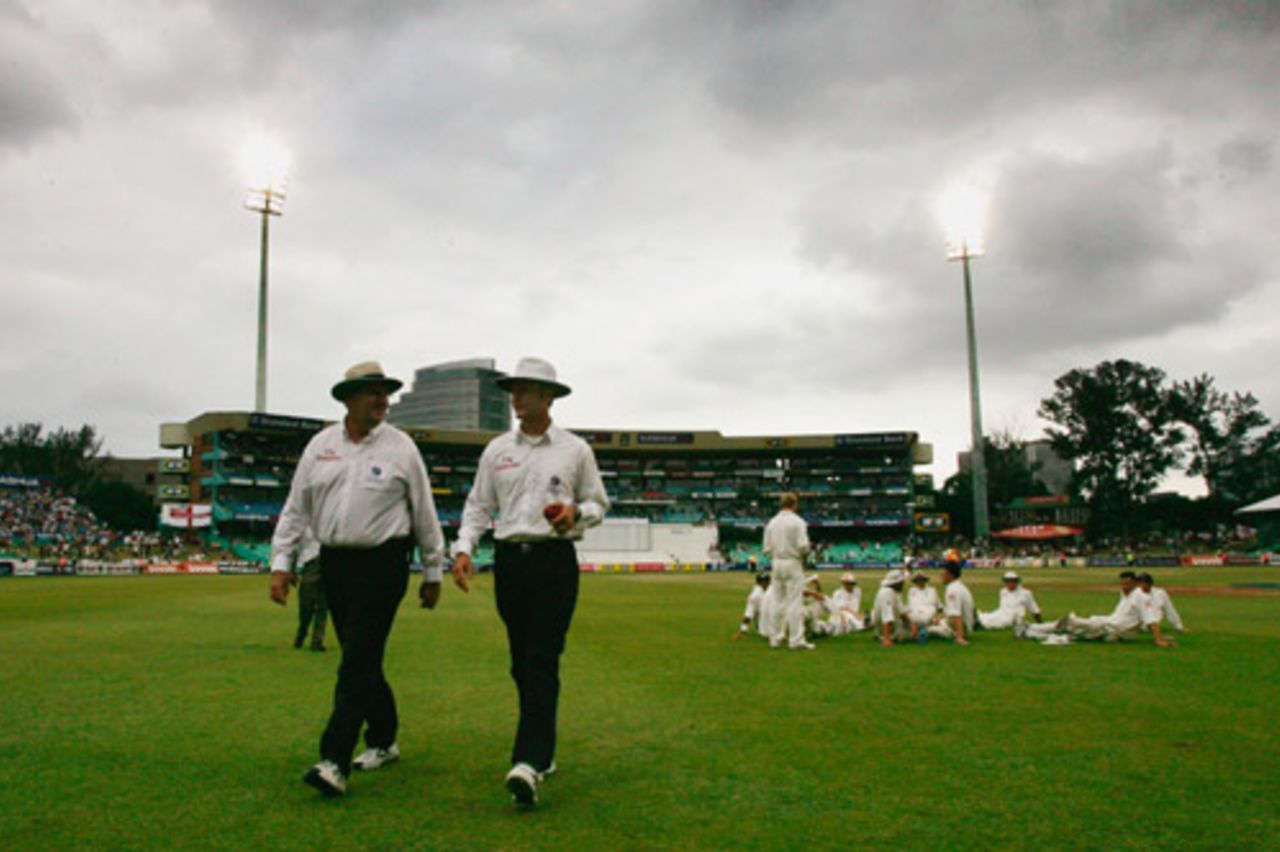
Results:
<point x="266" y="165"/>
<point x="962" y="214"/>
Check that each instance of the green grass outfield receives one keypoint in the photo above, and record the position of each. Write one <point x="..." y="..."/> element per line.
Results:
<point x="172" y="712"/>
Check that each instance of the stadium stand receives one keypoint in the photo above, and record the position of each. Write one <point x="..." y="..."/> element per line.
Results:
<point x="857" y="491"/>
<point x="38" y="521"/>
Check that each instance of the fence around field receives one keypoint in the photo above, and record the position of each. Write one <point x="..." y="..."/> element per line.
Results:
<point x="14" y="567"/>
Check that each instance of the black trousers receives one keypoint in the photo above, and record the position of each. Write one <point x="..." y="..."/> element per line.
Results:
<point x="536" y="587"/>
<point x="363" y="589"/>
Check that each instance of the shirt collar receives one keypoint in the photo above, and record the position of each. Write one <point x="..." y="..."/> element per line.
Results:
<point x="373" y="433"/>
<point x="547" y="437"/>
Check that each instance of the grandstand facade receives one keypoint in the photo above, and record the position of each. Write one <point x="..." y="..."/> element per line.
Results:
<point x="858" y="491"/>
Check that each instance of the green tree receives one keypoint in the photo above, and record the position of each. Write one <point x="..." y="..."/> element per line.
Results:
<point x="1009" y="476"/>
<point x="1256" y="476"/>
<point x="1223" y="436"/>
<point x="70" y="457"/>
<point x="121" y="506"/>
<point x="1113" y="421"/>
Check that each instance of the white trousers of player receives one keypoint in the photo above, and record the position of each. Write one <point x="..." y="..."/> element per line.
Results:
<point x="840" y="623"/>
<point x="788" y="615"/>
<point x="768" y="606"/>
<point x="922" y="617"/>
<point x="1093" y="627"/>
<point x="1001" y="619"/>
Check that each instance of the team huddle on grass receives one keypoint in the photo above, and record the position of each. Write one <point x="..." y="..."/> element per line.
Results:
<point x="1143" y="607"/>
<point x="789" y="608"/>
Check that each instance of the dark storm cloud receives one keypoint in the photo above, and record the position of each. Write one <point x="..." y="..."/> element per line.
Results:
<point x="1109" y="251"/>
<point x="1246" y="156"/>
<point x="1088" y="254"/>
<point x="716" y="197"/>
<point x="33" y="102"/>
<point x="868" y="74"/>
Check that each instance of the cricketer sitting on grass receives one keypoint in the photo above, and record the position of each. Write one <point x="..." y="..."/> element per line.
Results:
<point x="1016" y="604"/>
<point x="1161" y="604"/>
<point x="1132" y="613"/>
<point x="849" y="595"/>
<point x="839" y="614"/>
<point x="958" y="610"/>
<point x="362" y="488"/>
<point x="924" y="607"/>
<point x="888" y="617"/>
<point x="756" y="610"/>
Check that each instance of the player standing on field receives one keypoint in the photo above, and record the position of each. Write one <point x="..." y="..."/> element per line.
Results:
<point x="544" y="487"/>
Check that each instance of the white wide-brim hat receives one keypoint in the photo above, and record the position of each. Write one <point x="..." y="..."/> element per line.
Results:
<point x="362" y="374"/>
<point x="534" y="370"/>
<point x="1011" y="575"/>
<point x="847" y="578"/>
<point x="893" y="577"/>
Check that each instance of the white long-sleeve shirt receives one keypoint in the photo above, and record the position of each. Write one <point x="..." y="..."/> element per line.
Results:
<point x="923" y="603"/>
<point x="1019" y="602"/>
<point x="1162" y="607"/>
<point x="359" y="494"/>
<point x="519" y="476"/>
<point x="958" y="601"/>
<point x="1132" y="612"/>
<point x="786" y="537"/>
<point x="755" y="603"/>
<point x="847" y="600"/>
<point x="887" y="608"/>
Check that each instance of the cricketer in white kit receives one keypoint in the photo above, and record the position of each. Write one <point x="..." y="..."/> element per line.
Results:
<point x="786" y="543"/>
<point x="1017" y="604"/>
<point x="958" y="610"/>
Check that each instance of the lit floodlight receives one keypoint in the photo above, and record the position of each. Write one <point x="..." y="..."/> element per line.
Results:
<point x="266" y="170"/>
<point x="963" y="211"/>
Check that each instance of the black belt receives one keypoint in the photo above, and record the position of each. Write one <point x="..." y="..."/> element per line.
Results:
<point x="397" y="541"/>
<point x="525" y="548"/>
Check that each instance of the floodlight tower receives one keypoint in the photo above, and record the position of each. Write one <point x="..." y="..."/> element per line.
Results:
<point x="963" y="212"/>
<point x="267" y="166"/>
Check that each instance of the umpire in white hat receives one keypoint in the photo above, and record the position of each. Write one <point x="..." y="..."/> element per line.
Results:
<point x="362" y="489"/>
<point x="543" y="486"/>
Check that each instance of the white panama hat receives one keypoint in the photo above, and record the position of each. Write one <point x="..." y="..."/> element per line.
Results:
<point x="362" y="374"/>
<point x="894" y="576"/>
<point x="1011" y="575"/>
<point x="534" y="370"/>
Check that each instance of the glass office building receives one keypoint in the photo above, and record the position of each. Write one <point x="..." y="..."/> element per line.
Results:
<point x="459" y="395"/>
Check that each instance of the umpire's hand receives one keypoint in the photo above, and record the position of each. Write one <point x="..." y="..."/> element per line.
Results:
<point x="462" y="571"/>
<point x="429" y="594"/>
<point x="280" y="587"/>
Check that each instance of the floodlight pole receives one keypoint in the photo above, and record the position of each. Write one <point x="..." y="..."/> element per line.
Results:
<point x="268" y="201"/>
<point x="260" y="386"/>
<point x="977" y="454"/>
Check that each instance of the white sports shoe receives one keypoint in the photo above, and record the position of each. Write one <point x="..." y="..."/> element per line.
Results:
<point x="544" y="774"/>
<point x="522" y="782"/>
<point x="326" y="777"/>
<point x="376" y="758"/>
<point x="803" y="646"/>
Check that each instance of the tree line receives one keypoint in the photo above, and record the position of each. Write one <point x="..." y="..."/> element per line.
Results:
<point x="1125" y="426"/>
<point x="73" y="460"/>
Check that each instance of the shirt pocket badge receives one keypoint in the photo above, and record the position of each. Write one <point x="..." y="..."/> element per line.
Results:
<point x="377" y="475"/>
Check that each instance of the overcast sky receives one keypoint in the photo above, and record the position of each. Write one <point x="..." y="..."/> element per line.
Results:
<point x="708" y="215"/>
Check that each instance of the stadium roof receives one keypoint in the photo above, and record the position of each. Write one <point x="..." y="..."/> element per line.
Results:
<point x="1271" y="504"/>
<point x="176" y="435"/>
